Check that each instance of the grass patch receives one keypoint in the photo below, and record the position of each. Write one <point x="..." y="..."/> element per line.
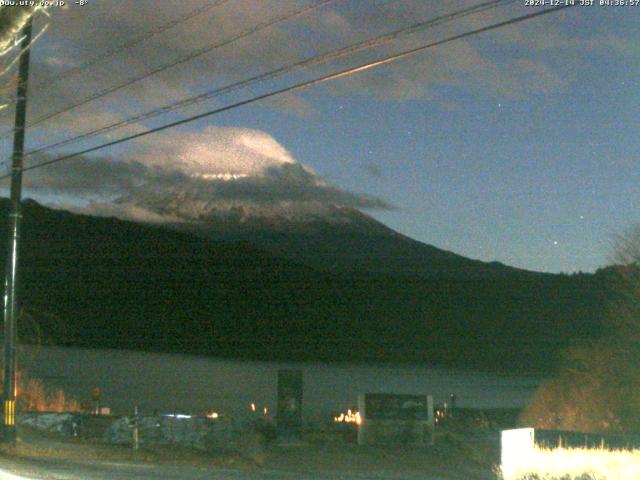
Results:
<point x="575" y="464"/>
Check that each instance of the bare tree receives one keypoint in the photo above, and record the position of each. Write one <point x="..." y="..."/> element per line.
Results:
<point x="597" y="388"/>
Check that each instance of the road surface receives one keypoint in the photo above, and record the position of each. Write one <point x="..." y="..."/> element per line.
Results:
<point x="79" y="470"/>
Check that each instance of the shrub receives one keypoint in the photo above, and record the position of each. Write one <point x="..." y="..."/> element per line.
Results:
<point x="596" y="387"/>
<point x="33" y="395"/>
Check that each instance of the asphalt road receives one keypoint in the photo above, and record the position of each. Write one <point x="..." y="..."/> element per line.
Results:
<point x="81" y="470"/>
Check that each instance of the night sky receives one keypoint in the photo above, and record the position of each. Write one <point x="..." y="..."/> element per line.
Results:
<point x="518" y="145"/>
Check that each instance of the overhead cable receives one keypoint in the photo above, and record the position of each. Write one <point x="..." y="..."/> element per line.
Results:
<point x="132" y="80"/>
<point x="300" y="86"/>
<point x="314" y="60"/>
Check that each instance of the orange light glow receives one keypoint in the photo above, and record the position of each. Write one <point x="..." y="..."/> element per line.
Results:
<point x="352" y="416"/>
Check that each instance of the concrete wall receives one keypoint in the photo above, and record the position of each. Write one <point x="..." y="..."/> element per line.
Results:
<point x="192" y="384"/>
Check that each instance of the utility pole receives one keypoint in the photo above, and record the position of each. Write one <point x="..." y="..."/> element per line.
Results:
<point x="11" y="275"/>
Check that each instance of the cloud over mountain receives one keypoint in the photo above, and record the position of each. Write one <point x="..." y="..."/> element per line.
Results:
<point x="194" y="175"/>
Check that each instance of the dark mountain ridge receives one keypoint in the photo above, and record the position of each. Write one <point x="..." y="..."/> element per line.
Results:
<point x="104" y="282"/>
<point x="345" y="240"/>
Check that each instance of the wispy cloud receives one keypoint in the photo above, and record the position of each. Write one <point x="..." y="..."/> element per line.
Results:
<point x="196" y="175"/>
<point x="511" y="61"/>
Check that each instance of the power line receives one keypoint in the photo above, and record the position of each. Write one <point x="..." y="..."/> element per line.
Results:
<point x="47" y="82"/>
<point x="130" y="81"/>
<point x="301" y="85"/>
<point x="314" y="60"/>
